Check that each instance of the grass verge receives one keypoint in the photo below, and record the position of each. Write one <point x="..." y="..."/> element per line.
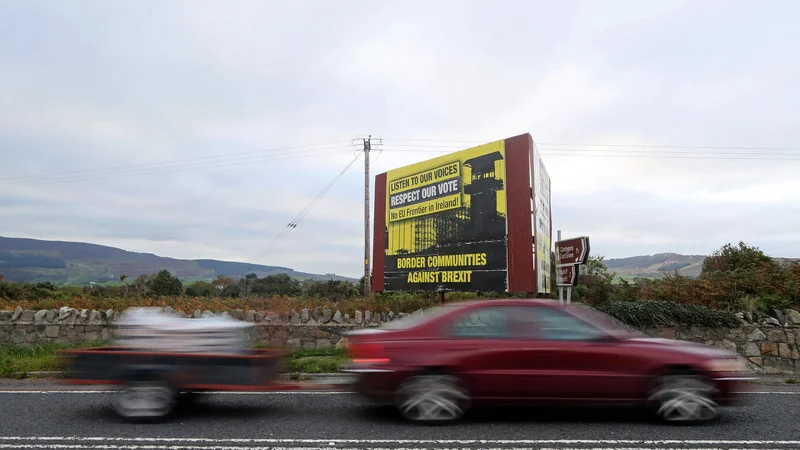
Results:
<point x="328" y="360"/>
<point x="17" y="361"/>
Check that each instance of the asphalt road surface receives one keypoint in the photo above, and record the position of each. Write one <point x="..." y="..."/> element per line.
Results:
<point x="47" y="416"/>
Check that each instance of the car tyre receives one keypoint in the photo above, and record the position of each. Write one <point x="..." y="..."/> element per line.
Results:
<point x="146" y="400"/>
<point x="433" y="398"/>
<point x="683" y="398"/>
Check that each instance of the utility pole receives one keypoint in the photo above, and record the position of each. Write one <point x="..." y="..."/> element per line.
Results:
<point x="367" y="275"/>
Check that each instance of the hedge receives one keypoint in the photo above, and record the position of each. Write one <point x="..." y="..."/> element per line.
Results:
<point x="652" y="314"/>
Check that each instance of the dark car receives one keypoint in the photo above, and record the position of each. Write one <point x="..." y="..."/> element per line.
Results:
<point x="435" y="365"/>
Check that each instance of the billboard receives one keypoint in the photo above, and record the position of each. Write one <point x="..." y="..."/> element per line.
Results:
<point x="542" y="223"/>
<point x="446" y="222"/>
<point x="458" y="222"/>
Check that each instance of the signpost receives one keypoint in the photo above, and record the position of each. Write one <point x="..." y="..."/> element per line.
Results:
<point x="570" y="254"/>
<point x="567" y="275"/>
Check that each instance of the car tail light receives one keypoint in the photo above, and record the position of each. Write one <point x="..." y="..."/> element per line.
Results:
<point x="368" y="353"/>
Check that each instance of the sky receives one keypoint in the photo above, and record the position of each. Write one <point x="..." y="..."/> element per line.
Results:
<point x="200" y="129"/>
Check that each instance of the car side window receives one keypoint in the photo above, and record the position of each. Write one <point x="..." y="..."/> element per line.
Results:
<point x="555" y="325"/>
<point x="487" y="322"/>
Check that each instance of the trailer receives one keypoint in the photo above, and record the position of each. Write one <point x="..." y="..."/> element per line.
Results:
<point x="151" y="384"/>
<point x="160" y="361"/>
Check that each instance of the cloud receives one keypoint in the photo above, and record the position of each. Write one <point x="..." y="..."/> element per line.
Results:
<point x="112" y="92"/>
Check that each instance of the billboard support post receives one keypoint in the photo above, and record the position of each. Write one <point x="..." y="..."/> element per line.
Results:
<point x="560" y="288"/>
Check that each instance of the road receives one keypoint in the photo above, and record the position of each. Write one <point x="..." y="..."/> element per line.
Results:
<point x="47" y="416"/>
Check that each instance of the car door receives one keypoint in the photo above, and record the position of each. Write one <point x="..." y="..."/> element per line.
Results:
<point x="480" y="345"/>
<point x="569" y="358"/>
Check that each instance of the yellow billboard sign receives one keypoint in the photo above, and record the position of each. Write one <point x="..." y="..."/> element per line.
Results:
<point x="446" y="222"/>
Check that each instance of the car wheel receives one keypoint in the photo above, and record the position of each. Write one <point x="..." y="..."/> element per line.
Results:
<point x="145" y="400"/>
<point x="432" y="398"/>
<point x="683" y="398"/>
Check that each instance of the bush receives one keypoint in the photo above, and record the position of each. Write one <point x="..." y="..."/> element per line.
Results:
<point x="652" y="314"/>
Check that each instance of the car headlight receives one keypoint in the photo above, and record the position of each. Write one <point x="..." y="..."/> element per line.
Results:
<point x="728" y="365"/>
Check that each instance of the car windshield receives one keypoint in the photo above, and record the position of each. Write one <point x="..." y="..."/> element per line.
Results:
<point x="605" y="322"/>
<point x="417" y="318"/>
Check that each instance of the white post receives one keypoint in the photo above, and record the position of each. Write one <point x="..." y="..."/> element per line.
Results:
<point x="560" y="288"/>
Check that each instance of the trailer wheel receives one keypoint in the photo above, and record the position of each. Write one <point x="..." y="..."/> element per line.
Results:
<point x="146" y="400"/>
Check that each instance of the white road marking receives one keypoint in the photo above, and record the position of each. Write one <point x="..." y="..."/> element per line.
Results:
<point x="771" y="392"/>
<point x="111" y="391"/>
<point x="191" y="447"/>
<point x="228" y="447"/>
<point x="332" y="442"/>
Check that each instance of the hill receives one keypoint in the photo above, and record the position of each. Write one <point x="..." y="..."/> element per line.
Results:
<point x="654" y="266"/>
<point x="33" y="260"/>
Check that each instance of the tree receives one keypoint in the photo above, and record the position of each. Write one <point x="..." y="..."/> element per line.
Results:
<point x="141" y="285"/>
<point x="333" y="290"/>
<point x="595" y="283"/>
<point x="246" y="285"/>
<point x="745" y="274"/>
<point x="165" y="283"/>
<point x="280" y="284"/>
<point x="201" y="289"/>
<point x="122" y="278"/>
<point x="731" y="258"/>
<point x="225" y="286"/>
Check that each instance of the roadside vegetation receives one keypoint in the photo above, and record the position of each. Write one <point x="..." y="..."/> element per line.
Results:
<point x="734" y="279"/>
<point x="19" y="361"/>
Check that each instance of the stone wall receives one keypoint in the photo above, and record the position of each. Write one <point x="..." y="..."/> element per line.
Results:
<point x="772" y="346"/>
<point x="319" y="328"/>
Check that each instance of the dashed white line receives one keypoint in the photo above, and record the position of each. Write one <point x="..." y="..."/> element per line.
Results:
<point x="228" y="447"/>
<point x="333" y="442"/>
<point x="110" y="391"/>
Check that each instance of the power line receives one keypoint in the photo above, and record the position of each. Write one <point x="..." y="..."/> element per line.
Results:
<point x="590" y="153"/>
<point x="208" y="159"/>
<point x="656" y="156"/>
<point x="190" y="166"/>
<point x="293" y="224"/>
<point x="701" y="147"/>
<point x="300" y="216"/>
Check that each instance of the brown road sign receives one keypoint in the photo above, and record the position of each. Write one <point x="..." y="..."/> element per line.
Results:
<point x="572" y="251"/>
<point x="567" y="275"/>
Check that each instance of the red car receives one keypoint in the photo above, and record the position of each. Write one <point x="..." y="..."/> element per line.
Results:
<point x="434" y="366"/>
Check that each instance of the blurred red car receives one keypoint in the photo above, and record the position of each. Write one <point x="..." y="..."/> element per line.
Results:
<point x="434" y="366"/>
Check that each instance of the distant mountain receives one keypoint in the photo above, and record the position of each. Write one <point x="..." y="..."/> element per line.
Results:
<point x="654" y="266"/>
<point x="657" y="265"/>
<point x="33" y="260"/>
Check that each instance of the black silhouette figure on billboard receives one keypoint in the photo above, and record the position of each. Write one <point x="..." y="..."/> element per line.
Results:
<point x="485" y="221"/>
